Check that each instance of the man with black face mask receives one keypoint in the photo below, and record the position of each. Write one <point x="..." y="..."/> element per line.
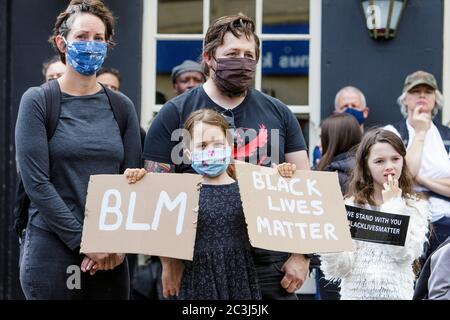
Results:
<point x="264" y="129"/>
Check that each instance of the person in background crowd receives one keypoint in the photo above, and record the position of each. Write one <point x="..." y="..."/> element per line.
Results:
<point x="56" y="172"/>
<point x="428" y="149"/>
<point x="53" y="68"/>
<point x="380" y="181"/>
<point x="109" y="77"/>
<point x="186" y="76"/>
<point x="340" y="135"/>
<point x="230" y="54"/>
<point x="350" y="100"/>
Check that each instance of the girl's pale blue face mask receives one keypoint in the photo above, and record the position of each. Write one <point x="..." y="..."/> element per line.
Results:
<point x="211" y="162"/>
<point x="86" y="57"/>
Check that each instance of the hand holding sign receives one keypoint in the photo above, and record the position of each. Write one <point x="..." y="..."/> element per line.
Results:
<point x="134" y="175"/>
<point x="285" y="169"/>
<point x="109" y="262"/>
<point x="172" y="272"/>
<point x="391" y="189"/>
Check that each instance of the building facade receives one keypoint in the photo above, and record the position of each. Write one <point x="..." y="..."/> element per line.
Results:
<point x="310" y="49"/>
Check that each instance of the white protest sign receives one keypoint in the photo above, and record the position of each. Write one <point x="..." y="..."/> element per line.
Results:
<point x="302" y="214"/>
<point x="156" y="216"/>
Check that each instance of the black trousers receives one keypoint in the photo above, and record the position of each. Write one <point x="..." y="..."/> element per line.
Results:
<point x="50" y="270"/>
<point x="269" y="277"/>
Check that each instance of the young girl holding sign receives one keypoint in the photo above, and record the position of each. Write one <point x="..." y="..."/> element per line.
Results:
<point x="380" y="181"/>
<point x="222" y="266"/>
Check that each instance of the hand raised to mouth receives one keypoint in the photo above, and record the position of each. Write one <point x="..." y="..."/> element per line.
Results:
<point x="391" y="189"/>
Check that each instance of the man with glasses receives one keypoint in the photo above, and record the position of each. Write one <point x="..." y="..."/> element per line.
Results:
<point x="264" y="130"/>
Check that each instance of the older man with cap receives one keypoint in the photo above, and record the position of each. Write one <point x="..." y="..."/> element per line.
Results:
<point x="428" y="147"/>
<point x="186" y="76"/>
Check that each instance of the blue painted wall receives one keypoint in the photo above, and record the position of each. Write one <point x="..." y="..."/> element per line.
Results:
<point x="378" y="68"/>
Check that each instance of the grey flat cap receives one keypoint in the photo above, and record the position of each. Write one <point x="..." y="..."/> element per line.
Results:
<point x="186" y="66"/>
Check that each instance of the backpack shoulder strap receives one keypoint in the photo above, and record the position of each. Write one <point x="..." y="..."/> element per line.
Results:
<point x="445" y="135"/>
<point x="119" y="109"/>
<point x="52" y="93"/>
<point x="403" y="131"/>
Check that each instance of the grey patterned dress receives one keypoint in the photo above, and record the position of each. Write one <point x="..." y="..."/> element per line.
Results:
<point x="223" y="267"/>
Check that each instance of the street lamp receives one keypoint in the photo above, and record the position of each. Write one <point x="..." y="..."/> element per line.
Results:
<point x="382" y="16"/>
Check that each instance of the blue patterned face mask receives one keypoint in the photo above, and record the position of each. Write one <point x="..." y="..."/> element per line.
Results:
<point x="86" y="57"/>
<point x="211" y="162"/>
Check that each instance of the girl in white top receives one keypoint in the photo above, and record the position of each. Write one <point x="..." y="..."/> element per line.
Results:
<point x="380" y="181"/>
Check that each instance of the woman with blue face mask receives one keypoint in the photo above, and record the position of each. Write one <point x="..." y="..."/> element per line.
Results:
<point x="55" y="170"/>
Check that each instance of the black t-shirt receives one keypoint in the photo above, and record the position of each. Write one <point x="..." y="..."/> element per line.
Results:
<point x="265" y="130"/>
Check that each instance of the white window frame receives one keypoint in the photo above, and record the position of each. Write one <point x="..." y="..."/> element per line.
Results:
<point x="150" y="37"/>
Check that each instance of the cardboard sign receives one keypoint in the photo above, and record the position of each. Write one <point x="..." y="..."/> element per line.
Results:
<point x="302" y="214"/>
<point x="376" y="226"/>
<point x="156" y="216"/>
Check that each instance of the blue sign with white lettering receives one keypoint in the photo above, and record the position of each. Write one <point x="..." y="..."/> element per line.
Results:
<point x="277" y="57"/>
<point x="285" y="57"/>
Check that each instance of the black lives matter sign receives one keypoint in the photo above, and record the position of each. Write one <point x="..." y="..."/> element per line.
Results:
<point x="376" y="226"/>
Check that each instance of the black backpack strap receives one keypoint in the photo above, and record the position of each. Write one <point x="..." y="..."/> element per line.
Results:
<point x="445" y="135"/>
<point x="119" y="109"/>
<point x="403" y="131"/>
<point x="52" y="93"/>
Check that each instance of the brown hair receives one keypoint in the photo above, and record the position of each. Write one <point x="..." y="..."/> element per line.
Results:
<point x="210" y="117"/>
<point x="340" y="132"/>
<point x="236" y="24"/>
<point x="361" y="182"/>
<point x="47" y="63"/>
<point x="65" y="20"/>
<point x="112" y="71"/>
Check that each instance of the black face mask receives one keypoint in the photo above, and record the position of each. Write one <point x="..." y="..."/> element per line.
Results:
<point x="233" y="76"/>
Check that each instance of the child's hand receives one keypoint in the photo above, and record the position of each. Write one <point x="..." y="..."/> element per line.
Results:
<point x="285" y="169"/>
<point x="391" y="189"/>
<point x="134" y="175"/>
